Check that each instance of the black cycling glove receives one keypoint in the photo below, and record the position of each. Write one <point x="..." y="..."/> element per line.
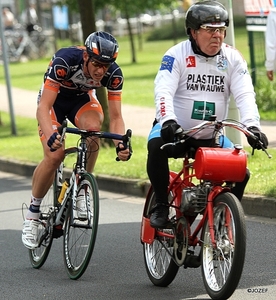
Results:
<point x="170" y="130"/>
<point x="261" y="137"/>
<point x="51" y="141"/>
<point x="118" y="149"/>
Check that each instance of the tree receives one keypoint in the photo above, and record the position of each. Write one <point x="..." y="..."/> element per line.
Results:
<point x="88" y="22"/>
<point x="128" y="8"/>
<point x="133" y="8"/>
<point x="87" y="9"/>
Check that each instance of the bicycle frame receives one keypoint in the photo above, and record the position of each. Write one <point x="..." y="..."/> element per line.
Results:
<point x="79" y="169"/>
<point x="184" y="180"/>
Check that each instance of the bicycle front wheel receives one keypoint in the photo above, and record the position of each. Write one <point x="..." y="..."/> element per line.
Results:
<point x="158" y="256"/>
<point x="39" y="255"/>
<point x="222" y="264"/>
<point x="79" y="233"/>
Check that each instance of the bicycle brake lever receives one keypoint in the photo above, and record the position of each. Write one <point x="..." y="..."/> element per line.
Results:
<point x="62" y="130"/>
<point x="62" y="135"/>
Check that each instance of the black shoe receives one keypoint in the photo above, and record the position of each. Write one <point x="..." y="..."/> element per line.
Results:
<point x="159" y="217"/>
<point x="192" y="261"/>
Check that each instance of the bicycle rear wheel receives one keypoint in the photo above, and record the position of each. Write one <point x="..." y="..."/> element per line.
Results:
<point x="222" y="265"/>
<point x="158" y="256"/>
<point x="39" y="255"/>
<point x="80" y="235"/>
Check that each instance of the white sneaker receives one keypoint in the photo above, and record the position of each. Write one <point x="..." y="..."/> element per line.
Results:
<point x="81" y="205"/>
<point x="29" y="233"/>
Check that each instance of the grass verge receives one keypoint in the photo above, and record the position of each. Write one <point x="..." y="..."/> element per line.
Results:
<point x="26" y="147"/>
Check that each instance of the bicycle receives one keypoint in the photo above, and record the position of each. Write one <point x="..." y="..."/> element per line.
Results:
<point x="207" y="223"/>
<point x="59" y="216"/>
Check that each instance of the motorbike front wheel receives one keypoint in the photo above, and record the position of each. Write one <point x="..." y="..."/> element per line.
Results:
<point x="222" y="263"/>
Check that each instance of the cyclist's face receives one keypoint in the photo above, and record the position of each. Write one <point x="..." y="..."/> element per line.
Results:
<point x="95" y="69"/>
<point x="209" y="40"/>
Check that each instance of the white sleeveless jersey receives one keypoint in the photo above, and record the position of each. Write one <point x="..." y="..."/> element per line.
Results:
<point x="190" y="87"/>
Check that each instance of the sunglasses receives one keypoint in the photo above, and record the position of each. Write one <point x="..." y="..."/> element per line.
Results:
<point x="213" y="30"/>
<point x="99" y="65"/>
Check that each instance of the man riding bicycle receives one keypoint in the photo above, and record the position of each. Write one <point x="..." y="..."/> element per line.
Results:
<point x="69" y="92"/>
<point x="195" y="80"/>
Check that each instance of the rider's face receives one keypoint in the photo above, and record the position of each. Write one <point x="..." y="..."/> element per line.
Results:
<point x="95" y="69"/>
<point x="209" y="40"/>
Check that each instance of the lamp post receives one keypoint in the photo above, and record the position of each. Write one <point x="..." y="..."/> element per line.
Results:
<point x="233" y="113"/>
<point x="7" y="75"/>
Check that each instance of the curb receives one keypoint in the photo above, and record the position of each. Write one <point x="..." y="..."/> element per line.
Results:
<point x="252" y="204"/>
<point x="126" y="186"/>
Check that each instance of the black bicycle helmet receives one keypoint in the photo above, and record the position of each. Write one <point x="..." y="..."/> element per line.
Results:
<point x="102" y="46"/>
<point x="205" y="12"/>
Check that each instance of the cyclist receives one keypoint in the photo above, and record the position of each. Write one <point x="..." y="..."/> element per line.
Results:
<point x="195" y="80"/>
<point x="69" y="92"/>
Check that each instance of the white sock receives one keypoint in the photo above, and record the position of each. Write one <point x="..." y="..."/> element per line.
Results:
<point x="33" y="211"/>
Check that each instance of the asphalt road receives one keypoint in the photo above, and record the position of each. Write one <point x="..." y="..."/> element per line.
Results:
<point x="116" y="270"/>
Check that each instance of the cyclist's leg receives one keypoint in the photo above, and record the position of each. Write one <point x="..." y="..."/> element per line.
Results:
<point x="44" y="173"/>
<point x="90" y="117"/>
<point x="42" y="180"/>
<point x="158" y="172"/>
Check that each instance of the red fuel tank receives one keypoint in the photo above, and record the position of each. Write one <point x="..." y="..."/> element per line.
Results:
<point x="220" y="164"/>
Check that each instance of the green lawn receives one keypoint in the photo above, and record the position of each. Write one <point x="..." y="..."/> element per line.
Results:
<point x="26" y="147"/>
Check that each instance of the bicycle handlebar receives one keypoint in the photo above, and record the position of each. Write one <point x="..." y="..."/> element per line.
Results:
<point x="126" y="138"/>
<point x="217" y="126"/>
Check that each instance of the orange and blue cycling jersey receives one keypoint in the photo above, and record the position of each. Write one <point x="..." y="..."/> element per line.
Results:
<point x="65" y="75"/>
<point x="75" y="92"/>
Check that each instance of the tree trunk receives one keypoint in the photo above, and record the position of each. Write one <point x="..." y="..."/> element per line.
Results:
<point x="87" y="15"/>
<point x="130" y="36"/>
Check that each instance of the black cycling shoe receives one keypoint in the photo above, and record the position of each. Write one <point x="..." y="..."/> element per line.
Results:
<point x="159" y="217"/>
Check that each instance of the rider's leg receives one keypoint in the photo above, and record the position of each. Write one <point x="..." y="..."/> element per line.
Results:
<point x="91" y="120"/>
<point x="42" y="180"/>
<point x="239" y="187"/>
<point x="90" y="117"/>
<point x="158" y="172"/>
<point x="43" y="177"/>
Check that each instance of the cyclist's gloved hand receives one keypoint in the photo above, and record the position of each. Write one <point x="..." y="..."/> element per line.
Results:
<point x="122" y="147"/>
<point x="261" y="137"/>
<point x="170" y="130"/>
<point x="51" y="141"/>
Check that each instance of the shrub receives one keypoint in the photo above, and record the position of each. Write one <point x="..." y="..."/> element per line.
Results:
<point x="166" y="32"/>
<point x="266" y="94"/>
